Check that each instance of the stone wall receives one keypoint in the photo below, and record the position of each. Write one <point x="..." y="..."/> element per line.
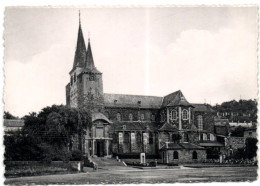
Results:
<point x="236" y="142"/>
<point x="185" y="156"/>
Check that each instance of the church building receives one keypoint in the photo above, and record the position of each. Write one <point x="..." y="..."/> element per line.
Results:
<point x="168" y="127"/>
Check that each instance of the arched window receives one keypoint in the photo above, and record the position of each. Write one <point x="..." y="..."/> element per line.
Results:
<point x="151" y="138"/>
<point x="184" y="114"/>
<point x="75" y="78"/>
<point x="115" y="138"/>
<point x="205" y="137"/>
<point x="211" y="137"/>
<point x="126" y="137"/>
<point x="162" y="117"/>
<point x="71" y="80"/>
<point x="138" y="137"/>
<point x="186" y="137"/>
<point x="194" y="155"/>
<point x="200" y="123"/>
<point x="174" y="115"/>
<point x="130" y="117"/>
<point x="142" y="117"/>
<point x="118" y="117"/>
<point x="153" y="117"/>
<point x="175" y="155"/>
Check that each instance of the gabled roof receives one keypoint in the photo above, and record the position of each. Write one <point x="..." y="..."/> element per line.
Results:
<point x="168" y="127"/>
<point x="203" y="108"/>
<point x="175" y="99"/>
<point x="13" y="123"/>
<point x="99" y="116"/>
<point x="131" y="101"/>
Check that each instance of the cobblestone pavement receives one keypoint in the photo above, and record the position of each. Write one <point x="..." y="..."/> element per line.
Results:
<point x="122" y="175"/>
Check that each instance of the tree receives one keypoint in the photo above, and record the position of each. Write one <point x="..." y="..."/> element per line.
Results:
<point x="49" y="133"/>
<point x="238" y="132"/>
<point x="251" y="147"/>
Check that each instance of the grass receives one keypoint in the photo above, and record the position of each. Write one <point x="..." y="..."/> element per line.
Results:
<point x="34" y="170"/>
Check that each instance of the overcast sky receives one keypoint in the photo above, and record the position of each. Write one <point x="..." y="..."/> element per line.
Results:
<point x="208" y="53"/>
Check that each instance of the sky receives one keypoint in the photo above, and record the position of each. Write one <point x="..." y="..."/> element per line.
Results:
<point x="209" y="53"/>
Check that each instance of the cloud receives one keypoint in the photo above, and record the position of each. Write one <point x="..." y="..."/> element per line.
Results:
<point x="39" y="83"/>
<point x="217" y="66"/>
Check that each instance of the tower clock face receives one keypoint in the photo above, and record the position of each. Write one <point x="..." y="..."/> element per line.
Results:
<point x="92" y="77"/>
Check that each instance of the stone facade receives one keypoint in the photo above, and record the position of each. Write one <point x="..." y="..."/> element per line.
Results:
<point x="183" y="156"/>
<point x="131" y="124"/>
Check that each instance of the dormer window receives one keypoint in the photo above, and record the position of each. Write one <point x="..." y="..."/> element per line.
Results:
<point x="115" y="101"/>
<point x="139" y="102"/>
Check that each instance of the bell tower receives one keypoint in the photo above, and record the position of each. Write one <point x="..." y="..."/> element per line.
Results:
<point x="85" y="89"/>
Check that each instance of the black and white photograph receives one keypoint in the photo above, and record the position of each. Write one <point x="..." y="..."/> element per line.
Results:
<point x="130" y="95"/>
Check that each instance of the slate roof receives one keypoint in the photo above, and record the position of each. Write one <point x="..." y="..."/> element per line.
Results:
<point x="168" y="127"/>
<point x="191" y="146"/>
<point x="211" y="144"/>
<point x="203" y="108"/>
<point x="13" y="123"/>
<point x="179" y="146"/>
<point x="133" y="126"/>
<point x="131" y="101"/>
<point x="175" y="99"/>
<point x="153" y="102"/>
<point x="80" y="53"/>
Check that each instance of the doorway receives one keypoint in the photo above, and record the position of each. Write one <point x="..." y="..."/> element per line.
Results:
<point x="100" y="148"/>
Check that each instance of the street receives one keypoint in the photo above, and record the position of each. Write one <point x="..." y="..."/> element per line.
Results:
<point x="124" y="175"/>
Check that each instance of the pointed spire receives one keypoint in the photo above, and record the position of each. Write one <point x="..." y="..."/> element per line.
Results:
<point x="80" y="53"/>
<point x="89" y="58"/>
<point x="79" y="19"/>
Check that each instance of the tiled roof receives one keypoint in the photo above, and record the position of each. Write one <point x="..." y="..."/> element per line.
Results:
<point x="13" y="123"/>
<point x="202" y="108"/>
<point x="168" y="127"/>
<point x="132" y="126"/>
<point x="131" y="101"/>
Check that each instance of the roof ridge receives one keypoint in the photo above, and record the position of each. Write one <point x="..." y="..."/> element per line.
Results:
<point x="132" y="95"/>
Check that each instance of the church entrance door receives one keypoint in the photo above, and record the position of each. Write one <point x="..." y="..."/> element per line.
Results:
<point x="100" y="148"/>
